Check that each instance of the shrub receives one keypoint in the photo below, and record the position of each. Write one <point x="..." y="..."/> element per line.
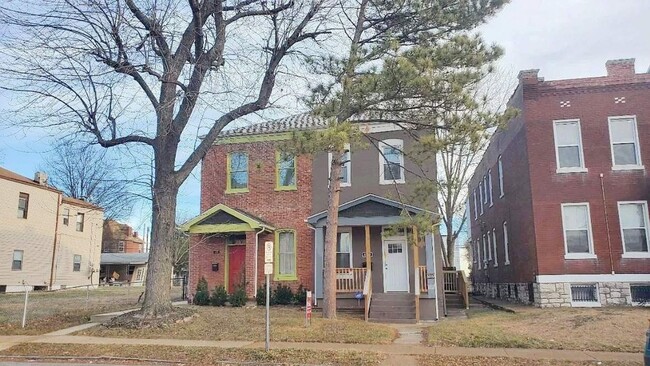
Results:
<point x="300" y="298"/>
<point x="202" y="295"/>
<point x="283" y="295"/>
<point x="260" y="297"/>
<point x="238" y="297"/>
<point x="219" y="296"/>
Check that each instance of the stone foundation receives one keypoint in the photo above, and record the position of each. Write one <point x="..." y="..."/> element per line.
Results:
<point x="514" y="292"/>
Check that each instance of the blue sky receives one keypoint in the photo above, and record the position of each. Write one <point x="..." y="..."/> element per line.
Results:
<point x="562" y="38"/>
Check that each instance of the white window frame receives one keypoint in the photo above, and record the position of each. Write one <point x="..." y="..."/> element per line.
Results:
<point x="490" y="186"/>
<point x="479" y="260"/>
<point x="585" y="304"/>
<point x="591" y="254"/>
<point x="646" y="221"/>
<point x="581" y="168"/>
<point x="489" y="246"/>
<point x="475" y="206"/>
<point x="121" y="246"/>
<point x="637" y="146"/>
<point x="485" y="196"/>
<point x="494" y="242"/>
<point x="480" y="191"/>
<point x="75" y="262"/>
<point x="500" y="166"/>
<point x="399" y="145"/>
<point x="349" y="232"/>
<point x="475" y="250"/>
<point x="505" y="243"/>
<point x="347" y="166"/>
<point x="485" y="260"/>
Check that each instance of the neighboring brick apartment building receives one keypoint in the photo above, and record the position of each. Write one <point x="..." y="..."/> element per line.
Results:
<point x="47" y="240"/>
<point x="251" y="193"/>
<point x="559" y="202"/>
<point x="120" y="238"/>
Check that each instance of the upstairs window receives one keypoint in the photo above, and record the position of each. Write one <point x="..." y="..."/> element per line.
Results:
<point x="475" y="206"/>
<point x="500" y="165"/>
<point x="634" y="228"/>
<point x="285" y="255"/>
<point x="625" y="143"/>
<point x="17" y="262"/>
<point x="490" y="186"/>
<point x="485" y="188"/>
<point x="391" y="162"/>
<point x="120" y="246"/>
<point x="505" y="243"/>
<point x="285" y="170"/>
<point x="494" y="242"/>
<point x="577" y="231"/>
<point x="568" y="146"/>
<point x="480" y="191"/>
<point x="23" y="205"/>
<point x="66" y="216"/>
<point x="76" y="263"/>
<point x="344" y="250"/>
<point x="346" y="166"/>
<point x="237" y="172"/>
<point x="80" y="222"/>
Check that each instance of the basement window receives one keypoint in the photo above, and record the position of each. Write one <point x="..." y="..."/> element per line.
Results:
<point x="640" y="294"/>
<point x="584" y="295"/>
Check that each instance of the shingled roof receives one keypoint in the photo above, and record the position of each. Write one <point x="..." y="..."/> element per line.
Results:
<point x="304" y="121"/>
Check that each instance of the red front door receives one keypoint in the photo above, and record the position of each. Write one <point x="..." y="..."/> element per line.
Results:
<point x="236" y="266"/>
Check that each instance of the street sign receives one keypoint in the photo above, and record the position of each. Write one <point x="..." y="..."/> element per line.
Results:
<point x="268" y="268"/>
<point x="268" y="252"/>
<point x="308" y="308"/>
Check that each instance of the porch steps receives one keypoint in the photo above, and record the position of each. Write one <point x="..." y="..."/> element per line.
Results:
<point x="392" y="308"/>
<point x="455" y="306"/>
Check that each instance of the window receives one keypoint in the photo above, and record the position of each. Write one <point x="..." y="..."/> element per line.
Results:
<point x="489" y="246"/>
<point x="23" y="205"/>
<point x="634" y="228"/>
<point x="577" y="231"/>
<point x="120" y="246"/>
<point x="80" y="221"/>
<point x="391" y="162"/>
<point x="475" y="206"/>
<point x="346" y="167"/>
<point x="584" y="295"/>
<point x="494" y="242"/>
<point x="490" y="186"/>
<point x="285" y="255"/>
<point x="475" y="255"/>
<point x="485" y="260"/>
<point x="505" y="243"/>
<point x="76" y="263"/>
<point x="500" y="165"/>
<point x="285" y="171"/>
<point x="17" y="263"/>
<point x="66" y="216"/>
<point x="568" y="146"/>
<point x="480" y="191"/>
<point x="485" y="188"/>
<point x="640" y="294"/>
<point x="344" y="250"/>
<point x="139" y="274"/>
<point x="237" y="180"/>
<point x="625" y="143"/>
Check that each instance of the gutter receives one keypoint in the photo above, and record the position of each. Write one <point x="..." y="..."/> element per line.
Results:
<point x="56" y="234"/>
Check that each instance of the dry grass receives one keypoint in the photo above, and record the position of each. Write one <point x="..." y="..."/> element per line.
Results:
<point x="287" y="324"/>
<point x="602" y="329"/>
<point x="431" y="360"/>
<point x="50" y="311"/>
<point x="194" y="355"/>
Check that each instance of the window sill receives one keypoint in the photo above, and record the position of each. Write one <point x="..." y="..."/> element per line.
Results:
<point x="507" y="263"/>
<point x="502" y="195"/>
<point x="387" y="182"/>
<point x="279" y="189"/>
<point x="585" y="304"/>
<point x="628" y="167"/>
<point x="496" y="265"/>
<point x="285" y="278"/>
<point x="571" y="170"/>
<point x="580" y="256"/>
<point x="234" y="191"/>
<point x="636" y="255"/>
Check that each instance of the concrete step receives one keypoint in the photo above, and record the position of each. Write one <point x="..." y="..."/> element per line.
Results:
<point x="391" y="315"/>
<point x="392" y="302"/>
<point x="398" y="308"/>
<point x="390" y="320"/>
<point x="399" y="295"/>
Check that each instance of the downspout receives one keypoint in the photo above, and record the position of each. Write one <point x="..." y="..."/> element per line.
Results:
<point x="609" y="239"/>
<point x="257" y="245"/>
<point x="313" y="228"/>
<point x="56" y="234"/>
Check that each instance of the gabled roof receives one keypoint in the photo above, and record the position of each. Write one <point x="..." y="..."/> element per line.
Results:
<point x="221" y="219"/>
<point x="124" y="258"/>
<point x="9" y="175"/>
<point x="298" y="122"/>
<point x="365" y="199"/>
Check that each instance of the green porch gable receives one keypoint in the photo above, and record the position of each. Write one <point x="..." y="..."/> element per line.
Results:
<point x="224" y="219"/>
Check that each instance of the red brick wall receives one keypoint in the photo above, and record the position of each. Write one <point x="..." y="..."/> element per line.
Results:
<point x="281" y="209"/>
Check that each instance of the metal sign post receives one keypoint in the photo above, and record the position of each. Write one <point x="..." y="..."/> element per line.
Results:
<point x="308" y="309"/>
<point x="268" y="270"/>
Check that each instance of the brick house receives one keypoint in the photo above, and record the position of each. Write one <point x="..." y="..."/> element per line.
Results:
<point x="252" y="193"/>
<point x="559" y="201"/>
<point x="123" y="255"/>
<point x="120" y="238"/>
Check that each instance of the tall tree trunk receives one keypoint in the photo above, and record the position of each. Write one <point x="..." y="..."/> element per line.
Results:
<point x="329" y="257"/>
<point x="450" y="242"/>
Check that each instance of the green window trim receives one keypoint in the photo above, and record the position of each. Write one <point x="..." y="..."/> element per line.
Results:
<point x="276" y="260"/>
<point x="278" y="186"/>
<point x="229" y="188"/>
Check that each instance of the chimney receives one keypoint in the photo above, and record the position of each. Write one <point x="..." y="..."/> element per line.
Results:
<point x="620" y="68"/>
<point x="529" y="76"/>
<point x="135" y="234"/>
<point x="40" y="178"/>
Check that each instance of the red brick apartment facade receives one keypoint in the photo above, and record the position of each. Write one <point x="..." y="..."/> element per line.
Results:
<point x="559" y="202"/>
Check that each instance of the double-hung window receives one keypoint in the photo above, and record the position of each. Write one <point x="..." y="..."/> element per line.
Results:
<point x="480" y="191"/>
<point x="500" y="165"/>
<point x="485" y="188"/>
<point x="346" y="166"/>
<point x="237" y="172"/>
<point x="80" y="222"/>
<point x="485" y="258"/>
<point x="17" y="262"/>
<point x="489" y="186"/>
<point x="633" y="217"/>
<point x="23" y="205"/>
<point x="494" y="242"/>
<point x="285" y="171"/>
<point x="120" y="246"/>
<point x="624" y="138"/>
<point x="578" y="240"/>
<point x="568" y="146"/>
<point x="391" y="162"/>
<point x="76" y="263"/>
<point x="344" y="250"/>
<point x="505" y="243"/>
<point x="285" y="255"/>
<point x="489" y="246"/>
<point x="475" y="206"/>
<point x="66" y="216"/>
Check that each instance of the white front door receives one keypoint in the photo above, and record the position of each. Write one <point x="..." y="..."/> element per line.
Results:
<point x="396" y="277"/>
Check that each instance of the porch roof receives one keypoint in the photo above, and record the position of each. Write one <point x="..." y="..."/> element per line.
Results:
<point x="224" y="219"/>
<point x="124" y="258"/>
<point x="369" y="209"/>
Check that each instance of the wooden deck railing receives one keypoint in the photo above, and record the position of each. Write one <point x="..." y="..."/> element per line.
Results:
<point x="450" y="281"/>
<point x="350" y="279"/>
<point x="424" y="285"/>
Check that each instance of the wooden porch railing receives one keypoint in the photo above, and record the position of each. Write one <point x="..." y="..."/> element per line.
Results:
<point x="424" y="285"/>
<point x="350" y="279"/>
<point x="450" y="281"/>
<point x="367" y="294"/>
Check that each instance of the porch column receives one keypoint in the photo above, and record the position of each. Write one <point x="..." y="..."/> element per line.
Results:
<point x="431" y="266"/>
<point x="319" y="240"/>
<point x="416" y="270"/>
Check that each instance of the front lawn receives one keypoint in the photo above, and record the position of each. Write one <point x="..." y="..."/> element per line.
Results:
<point x="436" y="360"/>
<point x="619" y="329"/>
<point x="191" y="355"/>
<point x="248" y="324"/>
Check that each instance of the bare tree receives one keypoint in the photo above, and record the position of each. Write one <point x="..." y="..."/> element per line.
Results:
<point x="85" y="173"/>
<point x="135" y="72"/>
